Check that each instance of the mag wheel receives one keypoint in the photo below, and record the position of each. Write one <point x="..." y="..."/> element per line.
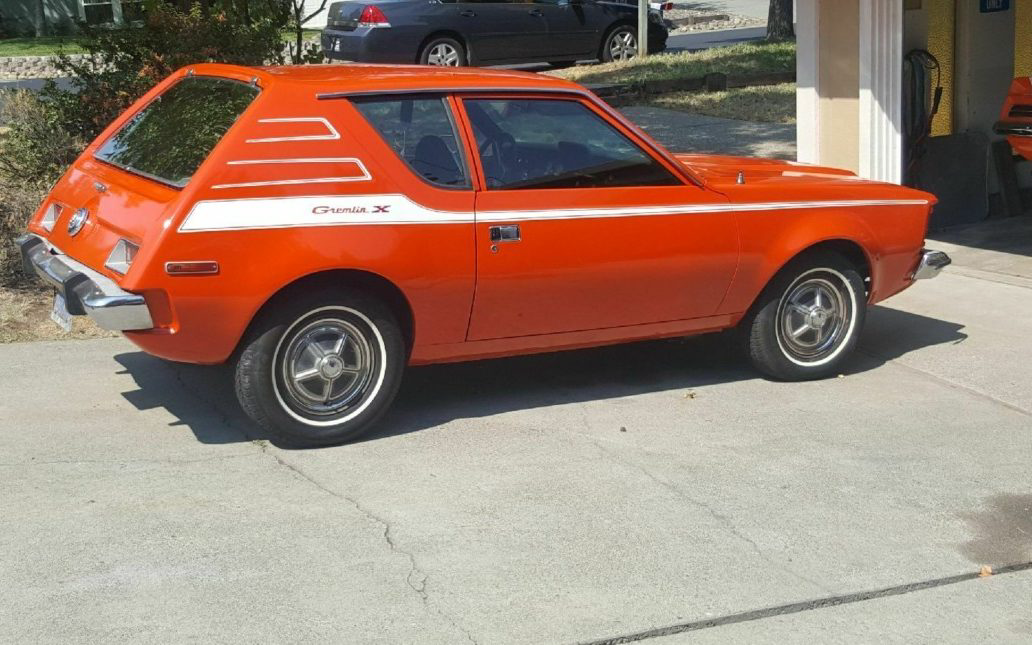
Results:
<point x="322" y="370"/>
<point x="620" y="44"/>
<point x="807" y="321"/>
<point x="443" y="52"/>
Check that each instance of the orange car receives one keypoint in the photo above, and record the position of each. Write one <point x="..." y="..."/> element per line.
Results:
<point x="1016" y="119"/>
<point x="324" y="227"/>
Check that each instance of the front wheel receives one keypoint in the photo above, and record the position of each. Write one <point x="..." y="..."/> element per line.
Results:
<point x="621" y="44"/>
<point x="443" y="52"/>
<point x="807" y="321"/>
<point x="321" y="368"/>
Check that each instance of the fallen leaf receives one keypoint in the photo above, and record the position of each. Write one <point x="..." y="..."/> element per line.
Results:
<point x="985" y="571"/>
<point x="623" y="429"/>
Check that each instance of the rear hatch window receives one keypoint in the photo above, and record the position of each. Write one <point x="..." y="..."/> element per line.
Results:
<point x="169" y="139"/>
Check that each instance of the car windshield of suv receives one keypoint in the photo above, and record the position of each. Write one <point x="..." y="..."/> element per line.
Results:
<point x="554" y="143"/>
<point x="169" y="139"/>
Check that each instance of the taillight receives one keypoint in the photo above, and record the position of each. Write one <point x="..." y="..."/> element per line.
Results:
<point x="50" y="217"/>
<point x="373" y="16"/>
<point x="122" y="256"/>
<point x="668" y="6"/>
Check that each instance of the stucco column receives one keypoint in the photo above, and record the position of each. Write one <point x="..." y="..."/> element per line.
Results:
<point x="807" y="66"/>
<point x="881" y="88"/>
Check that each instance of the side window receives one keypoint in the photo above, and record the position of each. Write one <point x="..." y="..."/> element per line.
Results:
<point x="554" y="143"/>
<point x="421" y="131"/>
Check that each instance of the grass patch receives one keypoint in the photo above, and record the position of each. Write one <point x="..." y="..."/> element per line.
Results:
<point x="767" y="103"/>
<point x="45" y="46"/>
<point x="288" y="35"/>
<point x="747" y="58"/>
<point x="25" y="316"/>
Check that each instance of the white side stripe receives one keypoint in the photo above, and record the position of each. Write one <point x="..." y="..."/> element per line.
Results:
<point x="364" y="176"/>
<point x="336" y="210"/>
<point x="679" y="209"/>
<point x="331" y="132"/>
<point x="250" y="162"/>
<point x="283" y="212"/>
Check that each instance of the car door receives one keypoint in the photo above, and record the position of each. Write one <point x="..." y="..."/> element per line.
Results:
<point x="579" y="228"/>
<point x="500" y="30"/>
<point x="574" y="29"/>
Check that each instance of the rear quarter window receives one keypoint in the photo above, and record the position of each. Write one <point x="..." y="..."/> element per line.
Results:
<point x="169" y="139"/>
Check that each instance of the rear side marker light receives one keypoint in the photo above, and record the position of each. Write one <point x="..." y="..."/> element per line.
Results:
<point x="50" y="217"/>
<point x="192" y="268"/>
<point x="373" y="16"/>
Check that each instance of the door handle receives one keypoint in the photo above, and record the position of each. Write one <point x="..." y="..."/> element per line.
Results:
<point x="467" y="13"/>
<point x="508" y="233"/>
<point x="535" y="12"/>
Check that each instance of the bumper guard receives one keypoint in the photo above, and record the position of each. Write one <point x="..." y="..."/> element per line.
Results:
<point x="86" y="292"/>
<point x="932" y="262"/>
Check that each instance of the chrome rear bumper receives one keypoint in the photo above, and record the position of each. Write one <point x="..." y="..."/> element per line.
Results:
<point x="86" y="292"/>
<point x="931" y="263"/>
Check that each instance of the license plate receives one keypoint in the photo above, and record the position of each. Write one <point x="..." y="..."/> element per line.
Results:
<point x="59" y="313"/>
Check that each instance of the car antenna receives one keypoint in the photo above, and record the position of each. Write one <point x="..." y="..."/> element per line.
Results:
<point x="741" y="177"/>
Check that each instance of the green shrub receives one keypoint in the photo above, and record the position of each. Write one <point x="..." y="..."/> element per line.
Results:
<point x="34" y="152"/>
<point x="123" y="64"/>
<point x="41" y="135"/>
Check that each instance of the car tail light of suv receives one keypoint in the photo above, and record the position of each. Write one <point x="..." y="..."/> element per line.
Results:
<point x="373" y="16"/>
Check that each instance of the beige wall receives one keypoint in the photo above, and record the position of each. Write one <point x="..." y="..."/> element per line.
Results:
<point x="838" y="82"/>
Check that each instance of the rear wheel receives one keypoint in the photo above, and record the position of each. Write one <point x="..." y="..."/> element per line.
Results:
<point x="806" y="323"/>
<point x="620" y="44"/>
<point x="322" y="369"/>
<point x="443" y="51"/>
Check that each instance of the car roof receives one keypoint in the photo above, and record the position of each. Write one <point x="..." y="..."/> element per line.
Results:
<point x="363" y="79"/>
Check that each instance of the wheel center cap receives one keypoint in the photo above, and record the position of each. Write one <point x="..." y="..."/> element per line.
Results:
<point x="818" y="318"/>
<point x="331" y="367"/>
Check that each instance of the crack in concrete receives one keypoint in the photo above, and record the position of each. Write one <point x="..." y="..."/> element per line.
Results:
<point x="948" y="383"/>
<point x="807" y="605"/>
<point x="50" y="462"/>
<point x="417" y="579"/>
<point x="724" y="520"/>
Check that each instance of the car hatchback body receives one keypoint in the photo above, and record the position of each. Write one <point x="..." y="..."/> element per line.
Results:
<point x="321" y="228"/>
<point x="458" y="33"/>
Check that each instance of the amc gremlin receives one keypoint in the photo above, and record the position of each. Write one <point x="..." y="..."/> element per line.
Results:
<point x="322" y="228"/>
<point x="1016" y="118"/>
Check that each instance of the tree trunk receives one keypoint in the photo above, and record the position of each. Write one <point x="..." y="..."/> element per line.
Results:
<point x="780" y="21"/>
<point x="299" y="31"/>
<point x="41" y="19"/>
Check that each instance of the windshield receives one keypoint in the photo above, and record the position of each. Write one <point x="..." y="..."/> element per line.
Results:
<point x="170" y="138"/>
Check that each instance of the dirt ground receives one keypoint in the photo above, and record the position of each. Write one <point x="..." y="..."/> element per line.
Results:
<point x="25" y="316"/>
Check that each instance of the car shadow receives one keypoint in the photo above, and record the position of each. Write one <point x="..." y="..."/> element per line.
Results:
<point x="202" y="398"/>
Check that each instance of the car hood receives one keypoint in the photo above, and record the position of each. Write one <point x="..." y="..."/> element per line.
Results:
<point x="724" y="169"/>
<point x="788" y="180"/>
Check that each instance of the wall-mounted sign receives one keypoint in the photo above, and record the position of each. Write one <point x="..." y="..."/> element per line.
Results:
<point x="989" y="6"/>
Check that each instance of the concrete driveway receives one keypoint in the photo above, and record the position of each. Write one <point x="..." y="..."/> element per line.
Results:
<point x="658" y="491"/>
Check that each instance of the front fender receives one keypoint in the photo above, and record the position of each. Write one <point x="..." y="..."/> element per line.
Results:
<point x="770" y="240"/>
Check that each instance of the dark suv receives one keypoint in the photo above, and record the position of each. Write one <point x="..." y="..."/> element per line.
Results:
<point x="457" y="33"/>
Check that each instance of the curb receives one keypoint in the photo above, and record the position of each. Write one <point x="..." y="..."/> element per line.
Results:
<point x="625" y="93"/>
<point x="698" y="20"/>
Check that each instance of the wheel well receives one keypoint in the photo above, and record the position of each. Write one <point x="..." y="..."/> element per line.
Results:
<point x="850" y="250"/>
<point x="445" y="33"/>
<point x="369" y="283"/>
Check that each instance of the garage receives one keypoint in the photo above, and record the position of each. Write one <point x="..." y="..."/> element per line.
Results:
<point x="869" y="75"/>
